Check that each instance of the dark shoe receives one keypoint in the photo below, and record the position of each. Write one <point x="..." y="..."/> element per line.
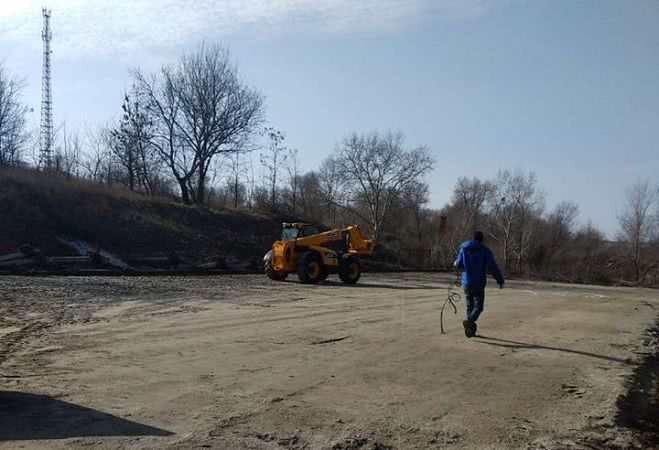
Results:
<point x="474" y="329"/>
<point x="469" y="327"/>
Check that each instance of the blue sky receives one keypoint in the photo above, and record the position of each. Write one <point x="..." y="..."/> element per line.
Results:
<point x="568" y="89"/>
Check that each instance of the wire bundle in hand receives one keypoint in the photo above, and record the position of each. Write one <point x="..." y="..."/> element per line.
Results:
<point x="452" y="298"/>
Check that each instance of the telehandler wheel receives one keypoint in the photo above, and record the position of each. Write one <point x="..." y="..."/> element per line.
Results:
<point x="310" y="270"/>
<point x="350" y="270"/>
<point x="273" y="274"/>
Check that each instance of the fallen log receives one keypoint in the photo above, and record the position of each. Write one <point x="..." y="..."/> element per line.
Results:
<point x="67" y="260"/>
<point x="17" y="263"/>
<point x="149" y="260"/>
<point x="11" y="256"/>
<point x="219" y="262"/>
<point x="169" y="262"/>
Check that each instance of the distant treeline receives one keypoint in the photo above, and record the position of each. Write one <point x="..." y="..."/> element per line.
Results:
<point x="195" y="132"/>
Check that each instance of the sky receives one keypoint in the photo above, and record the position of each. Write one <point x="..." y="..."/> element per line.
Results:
<point x="568" y="89"/>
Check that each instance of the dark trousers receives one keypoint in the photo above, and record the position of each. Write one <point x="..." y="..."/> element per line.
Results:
<point x="475" y="298"/>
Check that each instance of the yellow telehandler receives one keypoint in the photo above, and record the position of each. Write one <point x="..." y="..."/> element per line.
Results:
<point x="313" y="255"/>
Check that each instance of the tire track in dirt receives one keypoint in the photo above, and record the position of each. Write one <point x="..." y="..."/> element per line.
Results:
<point x="341" y="310"/>
<point x="10" y="342"/>
<point x="35" y="320"/>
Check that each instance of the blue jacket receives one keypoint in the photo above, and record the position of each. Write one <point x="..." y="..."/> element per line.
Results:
<point x="475" y="259"/>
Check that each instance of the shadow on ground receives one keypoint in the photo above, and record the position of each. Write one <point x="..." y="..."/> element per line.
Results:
<point x="638" y="407"/>
<point x="505" y="343"/>
<point x="25" y="416"/>
<point x="381" y="286"/>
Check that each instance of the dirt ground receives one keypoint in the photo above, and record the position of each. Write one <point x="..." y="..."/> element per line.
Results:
<point x="243" y="362"/>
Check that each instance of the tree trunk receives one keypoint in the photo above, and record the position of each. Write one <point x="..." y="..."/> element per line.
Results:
<point x="131" y="174"/>
<point x="235" y="192"/>
<point x="273" y="196"/>
<point x="201" y="185"/>
<point x="376" y="231"/>
<point x="185" y="192"/>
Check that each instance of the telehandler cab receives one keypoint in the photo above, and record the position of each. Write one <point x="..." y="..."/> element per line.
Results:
<point x="313" y="255"/>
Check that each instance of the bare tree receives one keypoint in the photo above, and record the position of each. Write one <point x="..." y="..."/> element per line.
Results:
<point x="219" y="112"/>
<point x="311" y="200"/>
<point x="251" y="182"/>
<point x="330" y="182"/>
<point x="378" y="170"/>
<point x="202" y="109"/>
<point x="12" y="119"/>
<point x="163" y="104"/>
<point x="637" y="226"/>
<point x="237" y="171"/>
<point x="590" y="260"/>
<point x="560" y="225"/>
<point x="414" y="200"/>
<point x="273" y="160"/>
<point x="513" y="202"/>
<point x="132" y="144"/>
<point x="68" y="153"/>
<point x="30" y="154"/>
<point x="96" y="161"/>
<point x="293" y="169"/>
<point x="469" y="198"/>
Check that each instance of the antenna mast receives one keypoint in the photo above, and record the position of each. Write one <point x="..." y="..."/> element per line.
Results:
<point x="46" y="137"/>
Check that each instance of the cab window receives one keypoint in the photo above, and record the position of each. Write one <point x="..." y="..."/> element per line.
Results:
<point x="309" y="230"/>
<point x="289" y="234"/>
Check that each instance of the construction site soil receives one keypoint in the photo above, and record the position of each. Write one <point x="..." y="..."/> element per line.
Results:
<point x="239" y="361"/>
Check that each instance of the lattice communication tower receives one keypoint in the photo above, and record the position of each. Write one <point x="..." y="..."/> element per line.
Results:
<point x="46" y="135"/>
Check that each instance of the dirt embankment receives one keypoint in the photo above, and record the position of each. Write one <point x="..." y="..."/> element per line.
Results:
<point x="37" y="209"/>
<point x="242" y="362"/>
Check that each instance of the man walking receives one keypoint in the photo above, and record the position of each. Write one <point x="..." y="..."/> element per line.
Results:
<point x="475" y="259"/>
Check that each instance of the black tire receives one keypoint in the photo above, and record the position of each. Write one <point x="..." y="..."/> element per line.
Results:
<point x="273" y="274"/>
<point x="323" y="275"/>
<point x="310" y="268"/>
<point x="350" y="270"/>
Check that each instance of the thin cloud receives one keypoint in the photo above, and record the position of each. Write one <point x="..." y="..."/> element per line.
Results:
<point x="86" y="27"/>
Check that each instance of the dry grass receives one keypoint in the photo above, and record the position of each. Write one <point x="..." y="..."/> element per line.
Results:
<point x="36" y="208"/>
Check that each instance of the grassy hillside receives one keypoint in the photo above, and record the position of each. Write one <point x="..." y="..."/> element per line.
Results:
<point x="37" y="209"/>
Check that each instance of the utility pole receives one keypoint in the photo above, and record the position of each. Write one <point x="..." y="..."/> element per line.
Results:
<point x="46" y="137"/>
